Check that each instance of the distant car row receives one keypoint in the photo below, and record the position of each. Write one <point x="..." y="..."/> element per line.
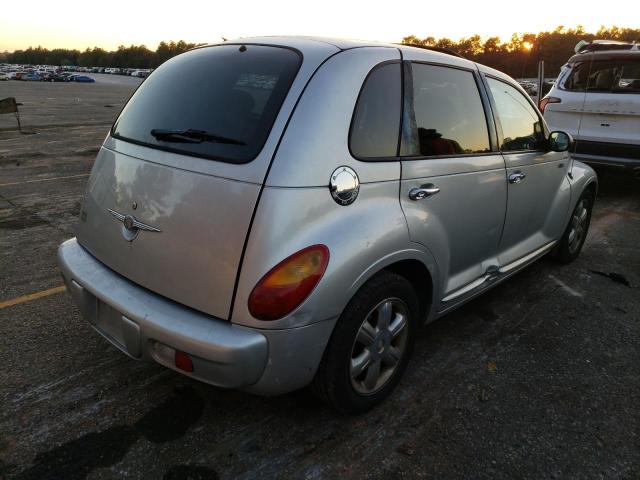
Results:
<point x="531" y="87"/>
<point x="142" y="73"/>
<point x="46" y="77"/>
<point x="43" y="70"/>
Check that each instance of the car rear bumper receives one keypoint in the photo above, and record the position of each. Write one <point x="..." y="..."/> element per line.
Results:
<point x="147" y="326"/>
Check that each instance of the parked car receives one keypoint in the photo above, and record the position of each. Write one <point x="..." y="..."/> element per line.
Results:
<point x="256" y="231"/>
<point x="83" y="79"/>
<point x="140" y="73"/>
<point x="31" y="77"/>
<point x="596" y="98"/>
<point x="58" y="77"/>
<point x="4" y="76"/>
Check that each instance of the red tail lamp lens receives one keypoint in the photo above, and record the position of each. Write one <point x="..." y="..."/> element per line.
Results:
<point x="183" y="361"/>
<point x="547" y="100"/>
<point x="289" y="283"/>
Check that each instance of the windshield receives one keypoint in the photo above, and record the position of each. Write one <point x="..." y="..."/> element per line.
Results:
<point x="229" y="94"/>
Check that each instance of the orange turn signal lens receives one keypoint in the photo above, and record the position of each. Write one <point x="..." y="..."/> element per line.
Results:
<point x="289" y="283"/>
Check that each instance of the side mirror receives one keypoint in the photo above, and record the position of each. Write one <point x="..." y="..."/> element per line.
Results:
<point x="560" y="141"/>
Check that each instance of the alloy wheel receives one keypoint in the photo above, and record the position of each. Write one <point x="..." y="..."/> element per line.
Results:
<point x="578" y="225"/>
<point x="379" y="346"/>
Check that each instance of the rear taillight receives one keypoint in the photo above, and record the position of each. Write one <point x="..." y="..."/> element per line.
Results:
<point x="289" y="283"/>
<point x="546" y="100"/>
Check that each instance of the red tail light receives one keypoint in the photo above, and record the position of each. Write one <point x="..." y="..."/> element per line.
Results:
<point x="289" y="283"/>
<point x="546" y="100"/>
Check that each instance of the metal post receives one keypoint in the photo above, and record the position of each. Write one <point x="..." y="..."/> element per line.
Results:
<point x="540" y="81"/>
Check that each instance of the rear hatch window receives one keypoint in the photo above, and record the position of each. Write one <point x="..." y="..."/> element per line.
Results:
<point x="215" y="102"/>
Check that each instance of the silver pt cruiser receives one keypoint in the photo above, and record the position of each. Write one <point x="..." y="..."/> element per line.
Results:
<point x="271" y="213"/>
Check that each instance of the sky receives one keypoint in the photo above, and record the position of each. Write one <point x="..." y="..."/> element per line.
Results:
<point x="81" y="23"/>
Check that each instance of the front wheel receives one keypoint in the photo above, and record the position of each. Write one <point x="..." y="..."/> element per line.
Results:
<point x="574" y="236"/>
<point x="370" y="346"/>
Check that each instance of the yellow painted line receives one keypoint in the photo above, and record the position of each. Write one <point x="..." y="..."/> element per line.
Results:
<point x="44" y="180"/>
<point x="31" y="296"/>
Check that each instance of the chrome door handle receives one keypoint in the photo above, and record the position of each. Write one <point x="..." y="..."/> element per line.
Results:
<point x="517" y="177"/>
<point x="423" y="192"/>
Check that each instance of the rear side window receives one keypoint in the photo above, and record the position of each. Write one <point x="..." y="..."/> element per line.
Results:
<point x="577" y="79"/>
<point x="376" y="119"/>
<point x="214" y="102"/>
<point x="615" y="76"/>
<point x="521" y="125"/>
<point x="446" y="116"/>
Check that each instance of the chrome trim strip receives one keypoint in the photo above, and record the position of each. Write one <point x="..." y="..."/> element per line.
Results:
<point x="492" y="276"/>
<point x="526" y="258"/>
<point x="467" y="288"/>
<point x="119" y="216"/>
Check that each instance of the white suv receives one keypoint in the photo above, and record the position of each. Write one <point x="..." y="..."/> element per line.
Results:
<point x="596" y="98"/>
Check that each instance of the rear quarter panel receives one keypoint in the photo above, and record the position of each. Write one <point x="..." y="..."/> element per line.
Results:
<point x="362" y="238"/>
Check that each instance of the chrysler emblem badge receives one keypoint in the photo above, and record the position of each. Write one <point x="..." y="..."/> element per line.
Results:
<point x="131" y="225"/>
<point x="128" y="222"/>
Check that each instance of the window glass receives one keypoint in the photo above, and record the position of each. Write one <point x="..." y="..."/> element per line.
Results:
<point x="376" y="120"/>
<point x="446" y="117"/>
<point x="615" y="76"/>
<point x="229" y="92"/>
<point x="521" y="125"/>
<point x="577" y="79"/>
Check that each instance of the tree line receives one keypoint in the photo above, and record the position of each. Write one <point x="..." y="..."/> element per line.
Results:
<point x="133" y="56"/>
<point x="520" y="55"/>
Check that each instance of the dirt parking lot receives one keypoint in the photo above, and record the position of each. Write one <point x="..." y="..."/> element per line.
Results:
<point x="540" y="378"/>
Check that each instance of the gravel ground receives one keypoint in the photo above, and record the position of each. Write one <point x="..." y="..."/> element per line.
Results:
<point x="539" y="378"/>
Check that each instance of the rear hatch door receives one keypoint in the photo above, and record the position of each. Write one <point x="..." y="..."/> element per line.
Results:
<point x="173" y="189"/>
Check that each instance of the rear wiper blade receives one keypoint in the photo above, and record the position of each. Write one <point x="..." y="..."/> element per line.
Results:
<point x="192" y="135"/>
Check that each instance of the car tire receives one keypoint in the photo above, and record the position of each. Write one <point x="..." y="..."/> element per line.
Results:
<point x="362" y="364"/>
<point x="575" y="234"/>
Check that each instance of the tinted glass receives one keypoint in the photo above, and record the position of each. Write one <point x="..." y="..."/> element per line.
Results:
<point x="615" y="76"/>
<point x="446" y="117"/>
<point x="577" y="79"/>
<point x="227" y="91"/>
<point x="376" y="120"/>
<point x="521" y="125"/>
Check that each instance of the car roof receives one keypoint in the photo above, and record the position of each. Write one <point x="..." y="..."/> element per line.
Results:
<point x="304" y="43"/>
<point x="605" y="55"/>
<point x="300" y="40"/>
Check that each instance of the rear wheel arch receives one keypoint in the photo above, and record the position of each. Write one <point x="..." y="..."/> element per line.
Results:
<point x="421" y="280"/>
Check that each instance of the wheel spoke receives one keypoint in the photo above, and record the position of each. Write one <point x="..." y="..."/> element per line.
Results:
<point x="391" y="355"/>
<point x="384" y="315"/>
<point x="583" y="215"/>
<point x="398" y="324"/>
<point x="372" y="376"/>
<point x="575" y="219"/>
<point x="360" y="363"/>
<point x="366" y="334"/>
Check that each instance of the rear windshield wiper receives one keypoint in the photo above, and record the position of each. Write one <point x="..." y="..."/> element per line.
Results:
<point x="192" y="135"/>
